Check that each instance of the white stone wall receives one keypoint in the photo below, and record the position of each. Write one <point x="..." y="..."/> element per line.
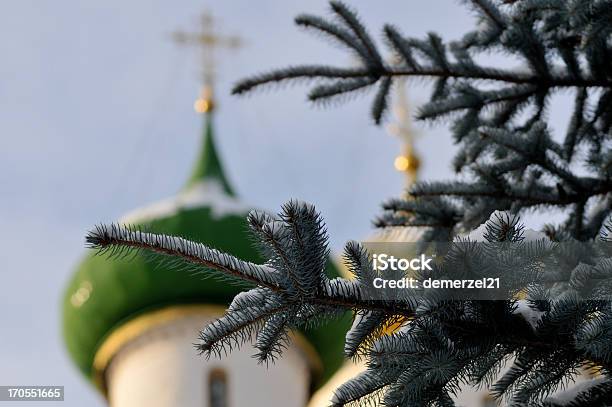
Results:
<point x="161" y="368"/>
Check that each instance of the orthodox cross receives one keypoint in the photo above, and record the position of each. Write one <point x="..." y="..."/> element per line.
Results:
<point x="207" y="40"/>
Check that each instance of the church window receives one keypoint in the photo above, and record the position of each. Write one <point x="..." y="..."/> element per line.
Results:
<point x="217" y="388"/>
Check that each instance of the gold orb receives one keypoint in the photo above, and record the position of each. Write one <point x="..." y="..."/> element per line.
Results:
<point x="401" y="163"/>
<point x="202" y="105"/>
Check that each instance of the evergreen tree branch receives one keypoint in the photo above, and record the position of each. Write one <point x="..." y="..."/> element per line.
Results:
<point x="116" y="240"/>
<point x="438" y="344"/>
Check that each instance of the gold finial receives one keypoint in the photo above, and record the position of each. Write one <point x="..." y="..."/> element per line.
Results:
<point x="207" y="40"/>
<point x="408" y="161"/>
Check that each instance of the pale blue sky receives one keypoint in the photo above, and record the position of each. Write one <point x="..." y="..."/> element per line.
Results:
<point x="96" y="119"/>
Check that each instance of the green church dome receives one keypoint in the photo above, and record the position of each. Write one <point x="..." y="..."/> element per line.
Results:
<point x="104" y="294"/>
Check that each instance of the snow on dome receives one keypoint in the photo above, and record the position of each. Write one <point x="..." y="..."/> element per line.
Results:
<point x="208" y="192"/>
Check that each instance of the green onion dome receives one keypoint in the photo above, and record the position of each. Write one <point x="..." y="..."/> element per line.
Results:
<point x="105" y="294"/>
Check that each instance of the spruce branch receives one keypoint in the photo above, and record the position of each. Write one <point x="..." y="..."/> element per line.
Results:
<point x="520" y="39"/>
<point x="436" y="344"/>
<point x="498" y="115"/>
<point x="118" y="240"/>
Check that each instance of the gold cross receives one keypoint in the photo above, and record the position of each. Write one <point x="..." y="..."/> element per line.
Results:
<point x="207" y="40"/>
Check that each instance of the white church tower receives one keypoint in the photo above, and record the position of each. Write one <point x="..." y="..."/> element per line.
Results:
<point x="130" y="325"/>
